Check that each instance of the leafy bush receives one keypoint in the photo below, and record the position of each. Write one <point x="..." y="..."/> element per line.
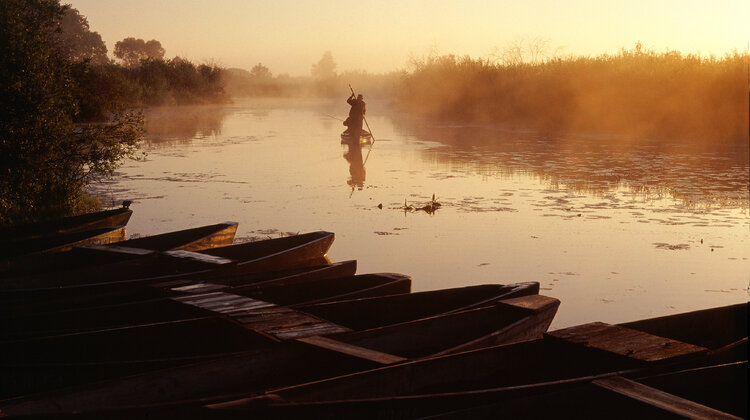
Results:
<point x="45" y="160"/>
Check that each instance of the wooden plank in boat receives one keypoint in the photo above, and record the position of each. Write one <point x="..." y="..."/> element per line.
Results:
<point x="281" y="322"/>
<point x="115" y="249"/>
<point x="538" y="312"/>
<point x="531" y="302"/>
<point x="361" y="352"/>
<point x="220" y="302"/>
<point x="294" y="326"/>
<point x="197" y="256"/>
<point x="660" y="399"/>
<point x="627" y="342"/>
<point x="285" y="323"/>
<point x="199" y="288"/>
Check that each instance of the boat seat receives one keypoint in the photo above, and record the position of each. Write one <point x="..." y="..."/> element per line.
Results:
<point x="280" y="322"/>
<point x="627" y="342"/>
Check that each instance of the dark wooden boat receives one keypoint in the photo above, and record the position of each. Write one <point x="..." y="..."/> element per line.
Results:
<point x="194" y="239"/>
<point x="84" y="222"/>
<point x="505" y="374"/>
<point x="298" y="292"/>
<point x="364" y="138"/>
<point x="305" y="358"/>
<point x="59" y="243"/>
<point x="86" y="307"/>
<point x="221" y="322"/>
<point x="715" y="392"/>
<point x="252" y="257"/>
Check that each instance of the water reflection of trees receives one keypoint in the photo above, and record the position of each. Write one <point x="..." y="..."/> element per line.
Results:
<point x="691" y="172"/>
<point x="183" y="123"/>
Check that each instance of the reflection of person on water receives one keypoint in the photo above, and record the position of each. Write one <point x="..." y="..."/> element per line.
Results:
<point x="356" y="166"/>
<point x="356" y="114"/>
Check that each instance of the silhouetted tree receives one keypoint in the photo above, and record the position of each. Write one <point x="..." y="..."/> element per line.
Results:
<point x="131" y="51"/>
<point x="260" y="72"/>
<point x="44" y="160"/>
<point x="325" y="68"/>
<point x="77" y="40"/>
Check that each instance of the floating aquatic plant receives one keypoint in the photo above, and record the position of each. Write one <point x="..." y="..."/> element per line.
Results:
<point x="430" y="207"/>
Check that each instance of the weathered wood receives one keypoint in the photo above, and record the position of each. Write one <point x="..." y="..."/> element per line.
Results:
<point x="361" y="352"/>
<point x="385" y="310"/>
<point x="533" y="321"/>
<point x="199" y="288"/>
<point x="59" y="243"/>
<point x="627" y="342"/>
<point x="293" y="361"/>
<point x="197" y="256"/>
<point x="660" y="399"/>
<point x="535" y="303"/>
<point x="154" y="305"/>
<point x="193" y="239"/>
<point x="88" y="221"/>
<point x="115" y="249"/>
<point x="560" y="357"/>
<point x="280" y="322"/>
<point x="726" y="323"/>
<point x="254" y="257"/>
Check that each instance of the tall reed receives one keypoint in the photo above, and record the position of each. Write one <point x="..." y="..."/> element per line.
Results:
<point x="634" y="92"/>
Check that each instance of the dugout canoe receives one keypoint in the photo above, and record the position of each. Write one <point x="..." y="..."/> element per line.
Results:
<point x="88" y="221"/>
<point x="59" y="243"/>
<point x="88" y="306"/>
<point x="276" y="254"/>
<point x="229" y="323"/>
<point x="715" y="391"/>
<point x="364" y="138"/>
<point x="504" y="373"/>
<point x="170" y="392"/>
<point x="373" y="312"/>
<point x="193" y="239"/>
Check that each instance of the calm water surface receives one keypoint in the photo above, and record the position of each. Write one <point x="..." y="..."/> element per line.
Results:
<point x="617" y="229"/>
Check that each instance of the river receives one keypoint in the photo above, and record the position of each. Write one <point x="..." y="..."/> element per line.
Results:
<point x="616" y="228"/>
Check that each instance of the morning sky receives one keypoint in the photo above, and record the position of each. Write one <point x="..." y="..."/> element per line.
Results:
<point x="288" y="36"/>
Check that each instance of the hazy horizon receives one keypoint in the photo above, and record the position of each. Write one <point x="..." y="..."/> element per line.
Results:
<point x="289" y="36"/>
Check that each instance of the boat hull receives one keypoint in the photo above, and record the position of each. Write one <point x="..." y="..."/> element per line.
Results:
<point x="303" y="359"/>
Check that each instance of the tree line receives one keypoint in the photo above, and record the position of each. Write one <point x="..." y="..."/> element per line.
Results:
<point x="68" y="113"/>
<point x="323" y="81"/>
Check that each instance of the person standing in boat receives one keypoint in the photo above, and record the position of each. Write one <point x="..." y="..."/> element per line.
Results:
<point x="356" y="114"/>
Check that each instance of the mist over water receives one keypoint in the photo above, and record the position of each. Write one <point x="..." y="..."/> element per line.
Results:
<point x="617" y="228"/>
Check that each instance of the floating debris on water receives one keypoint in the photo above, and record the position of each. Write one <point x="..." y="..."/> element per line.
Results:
<point x="662" y="245"/>
<point x="429" y="208"/>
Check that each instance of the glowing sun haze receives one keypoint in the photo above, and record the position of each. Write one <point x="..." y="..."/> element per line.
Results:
<point x="288" y="36"/>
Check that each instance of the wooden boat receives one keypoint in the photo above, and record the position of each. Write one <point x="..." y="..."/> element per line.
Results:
<point x="252" y="257"/>
<point x="75" y="316"/>
<point x="715" y="392"/>
<point x="222" y="322"/>
<point x="54" y="309"/>
<point x="504" y="374"/>
<point x="305" y="358"/>
<point x="194" y="239"/>
<point x="60" y="243"/>
<point x="364" y="138"/>
<point x="80" y="223"/>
